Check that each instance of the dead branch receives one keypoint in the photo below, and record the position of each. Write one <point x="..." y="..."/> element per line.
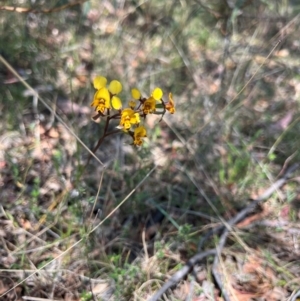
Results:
<point x="243" y="213"/>
<point x="218" y="250"/>
<point x="182" y="273"/>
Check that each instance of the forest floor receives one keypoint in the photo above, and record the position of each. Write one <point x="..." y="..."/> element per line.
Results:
<point x="207" y="208"/>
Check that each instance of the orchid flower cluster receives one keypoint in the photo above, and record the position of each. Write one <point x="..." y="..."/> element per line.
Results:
<point x="108" y="104"/>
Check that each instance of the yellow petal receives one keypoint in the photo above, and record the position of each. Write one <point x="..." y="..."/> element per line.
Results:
<point x="99" y="82"/>
<point x="116" y="103"/>
<point x="135" y="118"/>
<point x="135" y="93"/>
<point x="103" y="94"/>
<point x="171" y="99"/>
<point x="170" y="105"/>
<point x="140" y="132"/>
<point x="157" y="94"/>
<point x="115" y="87"/>
<point x="149" y="105"/>
<point x="125" y="124"/>
<point x="95" y="101"/>
<point x="127" y="112"/>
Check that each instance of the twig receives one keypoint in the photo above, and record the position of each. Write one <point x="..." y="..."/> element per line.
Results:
<point x="243" y="213"/>
<point x="294" y="298"/>
<point x="179" y="275"/>
<point x="240" y="216"/>
<point x="215" y="272"/>
<point x="218" y="250"/>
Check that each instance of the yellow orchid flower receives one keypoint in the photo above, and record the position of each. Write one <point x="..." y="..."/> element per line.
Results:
<point x="149" y="105"/>
<point x="139" y="133"/>
<point x="101" y="100"/>
<point x="128" y="118"/>
<point x="106" y="98"/>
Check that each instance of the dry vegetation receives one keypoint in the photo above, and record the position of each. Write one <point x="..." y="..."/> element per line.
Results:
<point x="119" y="230"/>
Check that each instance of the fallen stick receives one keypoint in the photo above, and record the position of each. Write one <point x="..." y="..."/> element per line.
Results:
<point x="179" y="275"/>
